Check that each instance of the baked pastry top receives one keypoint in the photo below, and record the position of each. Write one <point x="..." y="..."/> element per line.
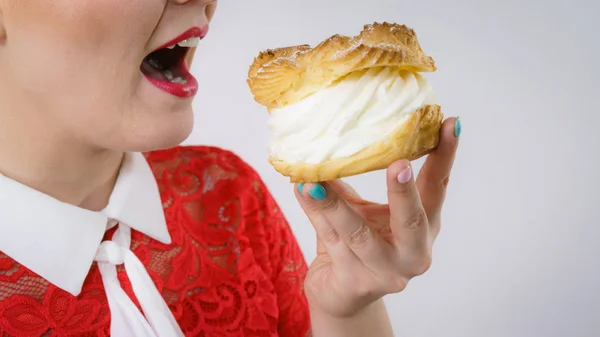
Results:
<point x="349" y="105"/>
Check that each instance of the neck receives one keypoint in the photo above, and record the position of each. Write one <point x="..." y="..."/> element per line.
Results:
<point x="44" y="158"/>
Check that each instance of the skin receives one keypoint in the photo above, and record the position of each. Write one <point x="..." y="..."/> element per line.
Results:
<point x="73" y="98"/>
<point x="73" y="101"/>
<point x="367" y="250"/>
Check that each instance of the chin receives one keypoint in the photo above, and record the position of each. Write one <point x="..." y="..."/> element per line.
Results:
<point x="162" y="134"/>
<point x="162" y="142"/>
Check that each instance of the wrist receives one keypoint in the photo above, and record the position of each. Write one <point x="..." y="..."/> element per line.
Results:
<point x="371" y="320"/>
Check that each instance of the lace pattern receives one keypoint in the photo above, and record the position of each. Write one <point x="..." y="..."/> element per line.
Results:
<point x="233" y="269"/>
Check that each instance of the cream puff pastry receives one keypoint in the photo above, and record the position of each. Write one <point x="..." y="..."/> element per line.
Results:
<point x="349" y="105"/>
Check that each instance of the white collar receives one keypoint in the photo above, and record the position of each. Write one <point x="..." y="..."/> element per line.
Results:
<point x="58" y="241"/>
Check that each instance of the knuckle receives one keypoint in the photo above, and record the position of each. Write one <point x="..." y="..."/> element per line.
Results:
<point x="435" y="183"/>
<point x="331" y="235"/>
<point x="360" y="236"/>
<point x="329" y="205"/>
<point x="417" y="220"/>
<point x="445" y="182"/>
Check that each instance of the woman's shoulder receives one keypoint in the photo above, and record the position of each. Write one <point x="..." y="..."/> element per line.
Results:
<point x="224" y="219"/>
<point x="206" y="162"/>
<point x="211" y="178"/>
<point x="185" y="154"/>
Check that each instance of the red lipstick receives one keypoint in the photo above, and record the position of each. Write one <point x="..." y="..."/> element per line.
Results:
<point x="166" y="67"/>
<point x="199" y="32"/>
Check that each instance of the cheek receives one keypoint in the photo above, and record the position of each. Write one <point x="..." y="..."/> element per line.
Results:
<point x="85" y="24"/>
<point x="79" y="52"/>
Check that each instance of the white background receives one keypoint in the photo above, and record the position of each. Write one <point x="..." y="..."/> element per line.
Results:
<point x="518" y="254"/>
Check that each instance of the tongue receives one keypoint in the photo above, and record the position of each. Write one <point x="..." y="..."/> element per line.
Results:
<point x="149" y="70"/>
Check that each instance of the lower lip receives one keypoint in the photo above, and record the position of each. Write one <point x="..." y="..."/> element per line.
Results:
<point x="190" y="89"/>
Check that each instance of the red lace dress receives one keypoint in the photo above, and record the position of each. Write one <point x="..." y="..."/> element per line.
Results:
<point x="233" y="269"/>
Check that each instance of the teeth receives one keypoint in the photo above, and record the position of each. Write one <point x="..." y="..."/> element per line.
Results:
<point x="192" y="42"/>
<point x="155" y="64"/>
<point x="169" y="75"/>
<point x="189" y="43"/>
<point x="179" y="80"/>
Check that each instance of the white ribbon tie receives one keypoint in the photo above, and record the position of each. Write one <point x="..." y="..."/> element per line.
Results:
<point x="126" y="319"/>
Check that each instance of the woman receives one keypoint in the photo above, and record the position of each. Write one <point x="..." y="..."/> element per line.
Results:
<point x="98" y="239"/>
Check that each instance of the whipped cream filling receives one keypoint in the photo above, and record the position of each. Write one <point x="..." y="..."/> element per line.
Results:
<point x="346" y="117"/>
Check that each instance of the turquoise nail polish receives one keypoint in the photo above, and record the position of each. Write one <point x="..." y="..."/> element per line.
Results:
<point x="457" y="127"/>
<point x="300" y="187"/>
<point x="318" y="192"/>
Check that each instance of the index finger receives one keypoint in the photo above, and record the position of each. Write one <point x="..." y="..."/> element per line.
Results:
<point x="435" y="173"/>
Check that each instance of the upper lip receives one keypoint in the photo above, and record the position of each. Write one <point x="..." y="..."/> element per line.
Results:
<point x="199" y="32"/>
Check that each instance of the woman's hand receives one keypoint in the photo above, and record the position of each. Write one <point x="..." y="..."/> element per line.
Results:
<point x="368" y="250"/>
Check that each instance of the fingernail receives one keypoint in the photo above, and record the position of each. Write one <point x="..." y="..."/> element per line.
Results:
<point x="457" y="127"/>
<point x="300" y="188"/>
<point x="318" y="192"/>
<point x="405" y="175"/>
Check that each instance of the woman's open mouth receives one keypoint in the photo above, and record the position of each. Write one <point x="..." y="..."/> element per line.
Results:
<point x="166" y="67"/>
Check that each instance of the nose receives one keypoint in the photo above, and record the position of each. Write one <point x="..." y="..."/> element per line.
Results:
<point x="208" y="6"/>
<point x="183" y="2"/>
